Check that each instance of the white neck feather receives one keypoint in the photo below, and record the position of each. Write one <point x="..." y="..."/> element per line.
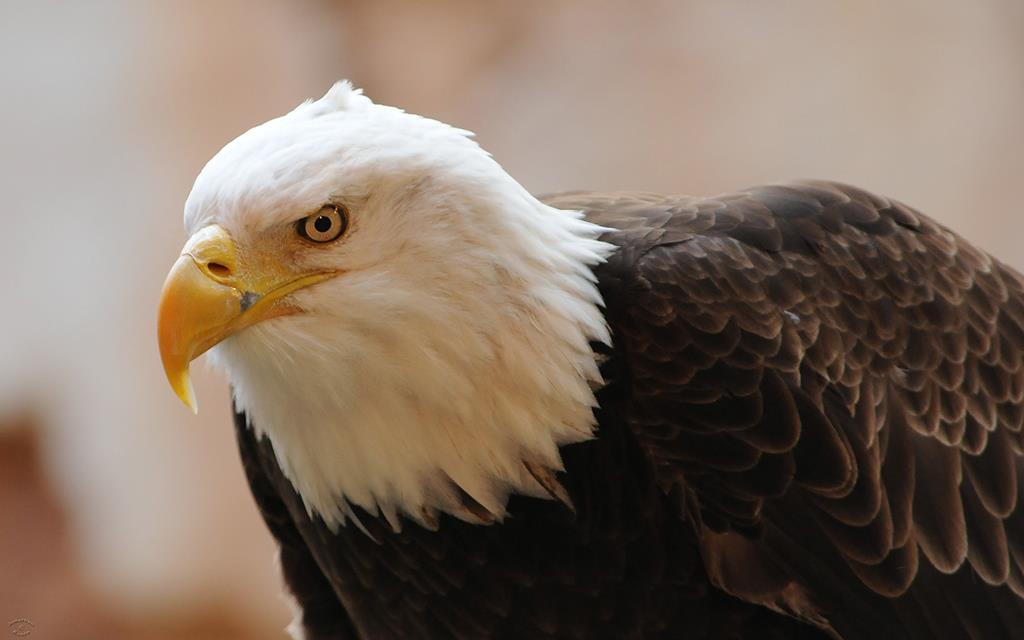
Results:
<point x="451" y="377"/>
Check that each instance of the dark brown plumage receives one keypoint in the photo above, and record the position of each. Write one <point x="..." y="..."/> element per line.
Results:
<point x="812" y="427"/>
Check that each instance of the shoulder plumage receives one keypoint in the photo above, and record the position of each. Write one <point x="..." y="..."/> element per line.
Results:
<point x="836" y="382"/>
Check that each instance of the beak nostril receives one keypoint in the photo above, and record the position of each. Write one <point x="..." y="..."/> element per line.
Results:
<point x="218" y="269"/>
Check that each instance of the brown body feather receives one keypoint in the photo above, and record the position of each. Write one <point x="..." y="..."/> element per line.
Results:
<point x="813" y="421"/>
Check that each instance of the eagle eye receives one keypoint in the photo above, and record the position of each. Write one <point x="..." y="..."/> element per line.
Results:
<point x="325" y="225"/>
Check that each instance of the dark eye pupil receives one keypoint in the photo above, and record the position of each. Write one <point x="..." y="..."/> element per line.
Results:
<point x="322" y="224"/>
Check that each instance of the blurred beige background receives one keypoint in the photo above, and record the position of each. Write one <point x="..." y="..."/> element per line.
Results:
<point x="121" y="514"/>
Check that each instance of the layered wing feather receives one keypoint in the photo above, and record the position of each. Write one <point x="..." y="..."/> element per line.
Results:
<point x="832" y="382"/>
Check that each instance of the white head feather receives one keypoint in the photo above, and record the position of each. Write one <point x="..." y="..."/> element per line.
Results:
<point x="455" y="343"/>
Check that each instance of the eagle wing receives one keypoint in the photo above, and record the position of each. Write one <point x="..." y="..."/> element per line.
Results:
<point x="830" y="385"/>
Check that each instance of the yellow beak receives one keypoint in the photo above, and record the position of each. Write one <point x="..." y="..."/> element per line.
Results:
<point x="211" y="294"/>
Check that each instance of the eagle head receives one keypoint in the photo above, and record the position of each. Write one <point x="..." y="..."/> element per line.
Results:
<point x="404" y="321"/>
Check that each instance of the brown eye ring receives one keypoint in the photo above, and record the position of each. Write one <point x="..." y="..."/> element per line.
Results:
<point x="325" y="225"/>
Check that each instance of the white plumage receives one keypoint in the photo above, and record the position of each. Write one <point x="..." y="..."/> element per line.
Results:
<point x="454" y="345"/>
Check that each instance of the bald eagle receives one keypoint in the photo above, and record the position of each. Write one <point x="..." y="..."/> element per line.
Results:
<point x="466" y="412"/>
